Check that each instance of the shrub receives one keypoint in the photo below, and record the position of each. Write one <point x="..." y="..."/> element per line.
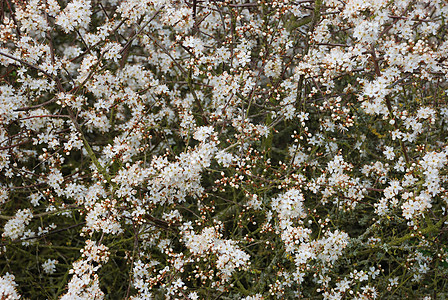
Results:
<point x="223" y="149"/>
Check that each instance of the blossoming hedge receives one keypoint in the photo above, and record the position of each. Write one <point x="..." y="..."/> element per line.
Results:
<point x="223" y="149"/>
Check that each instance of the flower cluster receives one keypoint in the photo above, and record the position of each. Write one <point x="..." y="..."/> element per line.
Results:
<point x="15" y="227"/>
<point x="84" y="283"/>
<point x="223" y="149"/>
<point x="229" y="256"/>
<point x="8" y="287"/>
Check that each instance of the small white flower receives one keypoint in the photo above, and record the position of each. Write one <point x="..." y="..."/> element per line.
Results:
<point x="202" y="133"/>
<point x="49" y="266"/>
<point x="223" y="158"/>
<point x="389" y="153"/>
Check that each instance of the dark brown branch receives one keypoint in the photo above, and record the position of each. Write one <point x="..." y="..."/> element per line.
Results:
<point x="389" y="106"/>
